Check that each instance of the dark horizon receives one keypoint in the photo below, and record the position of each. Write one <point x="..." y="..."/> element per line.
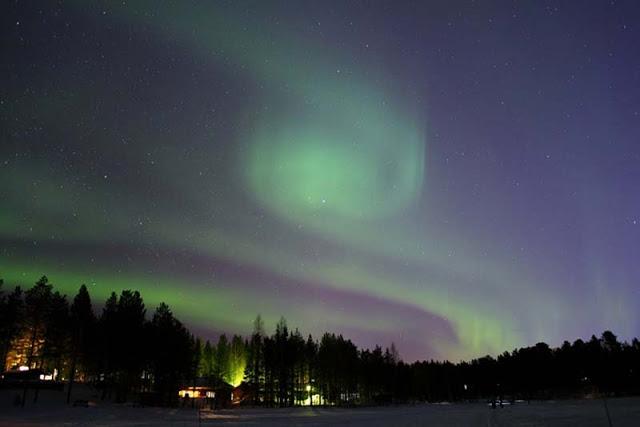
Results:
<point x="130" y="352"/>
<point x="212" y="333"/>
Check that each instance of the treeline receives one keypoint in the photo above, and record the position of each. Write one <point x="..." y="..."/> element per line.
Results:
<point x="126" y="354"/>
<point x="284" y="369"/>
<point x="120" y="351"/>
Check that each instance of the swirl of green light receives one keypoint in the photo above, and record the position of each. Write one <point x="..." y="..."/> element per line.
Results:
<point x="328" y="166"/>
<point x="334" y="141"/>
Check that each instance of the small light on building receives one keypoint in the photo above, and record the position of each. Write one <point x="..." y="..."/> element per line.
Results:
<point x="23" y="368"/>
<point x="195" y="393"/>
<point x="308" y="387"/>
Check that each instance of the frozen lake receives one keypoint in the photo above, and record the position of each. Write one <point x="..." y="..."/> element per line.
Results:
<point x="623" y="412"/>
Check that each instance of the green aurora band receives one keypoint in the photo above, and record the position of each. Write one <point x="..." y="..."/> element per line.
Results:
<point x="326" y="151"/>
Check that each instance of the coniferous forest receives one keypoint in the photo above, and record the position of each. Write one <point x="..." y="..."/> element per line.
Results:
<point x="126" y="350"/>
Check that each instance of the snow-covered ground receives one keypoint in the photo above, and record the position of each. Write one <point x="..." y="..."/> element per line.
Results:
<point x="50" y="412"/>
<point x="623" y="412"/>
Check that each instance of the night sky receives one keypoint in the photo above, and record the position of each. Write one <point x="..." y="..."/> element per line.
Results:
<point x="457" y="177"/>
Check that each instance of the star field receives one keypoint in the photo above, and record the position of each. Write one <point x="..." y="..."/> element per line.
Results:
<point x="455" y="177"/>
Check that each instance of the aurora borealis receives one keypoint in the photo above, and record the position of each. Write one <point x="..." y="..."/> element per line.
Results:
<point x="457" y="178"/>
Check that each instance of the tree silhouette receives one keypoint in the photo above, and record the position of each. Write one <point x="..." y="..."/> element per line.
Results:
<point x="221" y="365"/>
<point x="37" y="306"/>
<point x="130" y="339"/>
<point x="82" y="329"/>
<point x="171" y="354"/>
<point x="237" y="361"/>
<point x="108" y="330"/>
<point x="11" y="319"/>
<point x="207" y="362"/>
<point x="123" y="351"/>
<point x="56" y="340"/>
<point x="255" y="361"/>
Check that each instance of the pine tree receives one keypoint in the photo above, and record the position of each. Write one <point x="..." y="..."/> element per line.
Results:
<point x="37" y="304"/>
<point x="108" y="330"/>
<point x="130" y="349"/>
<point x="56" y="337"/>
<point x="255" y="363"/>
<point x="222" y="359"/>
<point x="11" y="321"/>
<point x="82" y="322"/>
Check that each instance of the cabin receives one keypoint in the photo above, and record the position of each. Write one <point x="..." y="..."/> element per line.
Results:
<point x="202" y="393"/>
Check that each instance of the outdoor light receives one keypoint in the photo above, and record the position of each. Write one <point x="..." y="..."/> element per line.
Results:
<point x="308" y="387"/>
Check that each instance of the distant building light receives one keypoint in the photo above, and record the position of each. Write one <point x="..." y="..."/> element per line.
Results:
<point x="308" y="387"/>
<point x="23" y="368"/>
<point x="188" y="393"/>
<point x="196" y="393"/>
